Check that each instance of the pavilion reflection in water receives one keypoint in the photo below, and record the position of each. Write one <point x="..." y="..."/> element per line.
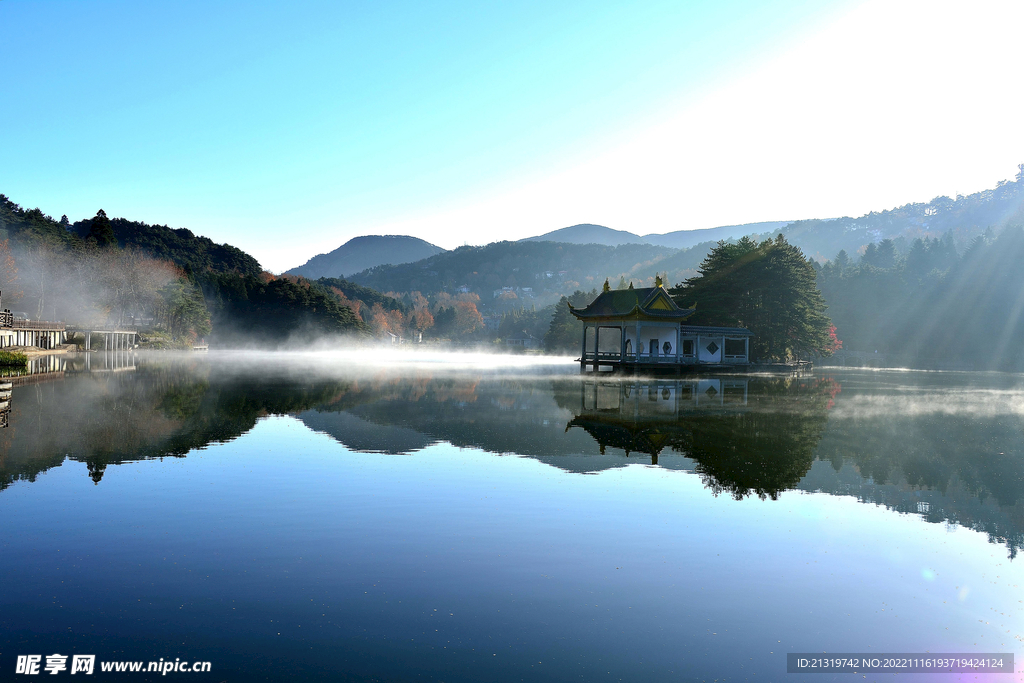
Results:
<point x="744" y="436"/>
<point x="644" y="416"/>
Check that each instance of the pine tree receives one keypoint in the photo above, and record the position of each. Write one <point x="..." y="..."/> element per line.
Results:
<point x="101" y="232"/>
<point x="768" y="287"/>
<point x="564" y="333"/>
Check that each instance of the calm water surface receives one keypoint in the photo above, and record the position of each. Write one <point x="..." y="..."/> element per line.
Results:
<point x="315" y="518"/>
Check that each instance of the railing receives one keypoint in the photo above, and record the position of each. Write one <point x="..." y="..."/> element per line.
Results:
<point x="21" y="324"/>
<point x="6" y="319"/>
<point x="615" y="356"/>
<point x="100" y="329"/>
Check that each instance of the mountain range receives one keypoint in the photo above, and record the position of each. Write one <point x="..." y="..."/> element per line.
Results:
<point x="600" y="252"/>
<point x="370" y="251"/>
<point x="588" y="233"/>
<point x="529" y="273"/>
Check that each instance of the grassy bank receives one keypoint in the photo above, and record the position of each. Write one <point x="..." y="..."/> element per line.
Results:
<point x="12" y="359"/>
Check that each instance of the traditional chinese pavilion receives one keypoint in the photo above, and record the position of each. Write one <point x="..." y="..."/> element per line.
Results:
<point x="643" y="328"/>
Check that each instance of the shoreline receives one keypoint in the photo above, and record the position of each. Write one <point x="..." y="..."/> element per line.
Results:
<point x="36" y="352"/>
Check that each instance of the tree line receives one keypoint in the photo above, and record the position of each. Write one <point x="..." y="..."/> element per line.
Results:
<point x="103" y="271"/>
<point x="932" y="305"/>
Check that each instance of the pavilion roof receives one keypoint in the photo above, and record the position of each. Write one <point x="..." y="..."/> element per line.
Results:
<point x="642" y="302"/>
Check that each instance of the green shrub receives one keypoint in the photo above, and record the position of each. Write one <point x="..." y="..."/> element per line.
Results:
<point x="12" y="358"/>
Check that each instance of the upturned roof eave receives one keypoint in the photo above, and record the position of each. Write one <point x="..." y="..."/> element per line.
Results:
<point x="636" y="314"/>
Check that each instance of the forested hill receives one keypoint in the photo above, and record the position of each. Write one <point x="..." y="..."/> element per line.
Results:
<point x="360" y="253"/>
<point x="32" y="225"/>
<point x="116" y="271"/>
<point x="965" y="217"/>
<point x="191" y="252"/>
<point x="541" y="266"/>
<point x="588" y="233"/>
<point x="354" y="292"/>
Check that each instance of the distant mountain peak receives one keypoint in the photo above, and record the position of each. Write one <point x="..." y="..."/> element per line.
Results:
<point x="366" y="251"/>
<point x="588" y="233"/>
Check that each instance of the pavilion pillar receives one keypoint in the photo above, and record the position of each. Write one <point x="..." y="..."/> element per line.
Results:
<point x="88" y="341"/>
<point x="638" y="342"/>
<point x="696" y="350"/>
<point x="597" y="337"/>
<point x="622" y="342"/>
<point x="746" y="349"/>
<point x="583" y="353"/>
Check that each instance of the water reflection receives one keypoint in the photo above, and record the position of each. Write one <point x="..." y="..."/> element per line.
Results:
<point x="110" y="410"/>
<point x="6" y="389"/>
<point x="895" y="440"/>
<point x="745" y="436"/>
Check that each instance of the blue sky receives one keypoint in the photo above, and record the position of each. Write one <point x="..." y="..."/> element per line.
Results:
<point x="288" y="128"/>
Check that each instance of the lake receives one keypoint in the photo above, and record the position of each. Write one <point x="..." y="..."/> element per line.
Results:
<point x="475" y="518"/>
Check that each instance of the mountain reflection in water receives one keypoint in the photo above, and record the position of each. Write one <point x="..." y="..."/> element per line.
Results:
<point x="943" y="446"/>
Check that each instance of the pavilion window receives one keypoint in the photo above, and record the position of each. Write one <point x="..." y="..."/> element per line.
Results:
<point x="735" y="347"/>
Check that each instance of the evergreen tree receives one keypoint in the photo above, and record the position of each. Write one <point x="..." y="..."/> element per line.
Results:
<point x="768" y="287"/>
<point x="565" y="332"/>
<point x="101" y="232"/>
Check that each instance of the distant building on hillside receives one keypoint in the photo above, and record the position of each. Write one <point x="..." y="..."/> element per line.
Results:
<point x="523" y="340"/>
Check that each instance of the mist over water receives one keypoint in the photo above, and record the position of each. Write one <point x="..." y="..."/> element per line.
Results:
<point x="390" y="514"/>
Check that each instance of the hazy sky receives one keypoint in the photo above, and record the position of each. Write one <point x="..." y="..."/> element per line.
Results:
<point x="288" y="128"/>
